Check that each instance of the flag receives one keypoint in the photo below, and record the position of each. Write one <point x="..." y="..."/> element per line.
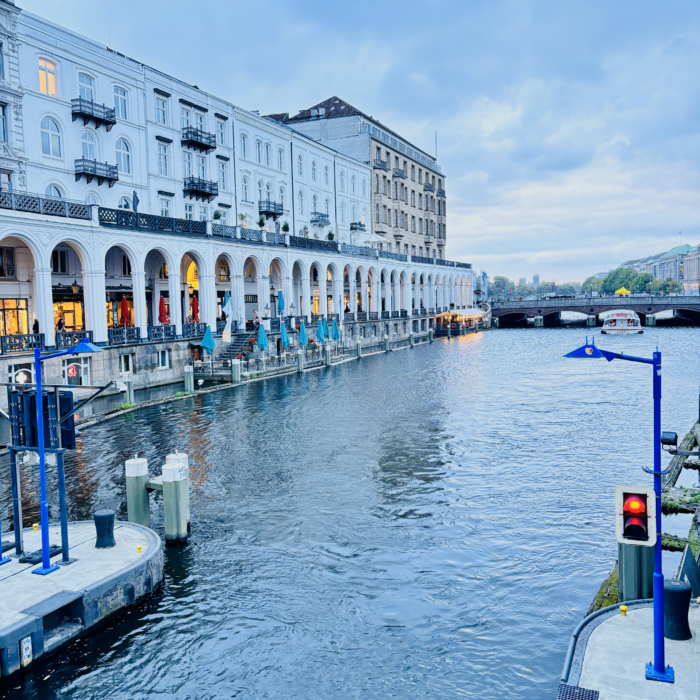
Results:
<point x="228" y="310"/>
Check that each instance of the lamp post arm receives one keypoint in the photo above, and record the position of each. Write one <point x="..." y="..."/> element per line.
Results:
<point x="610" y="356"/>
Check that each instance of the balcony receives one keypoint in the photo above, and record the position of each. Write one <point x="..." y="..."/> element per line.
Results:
<point x="197" y="188"/>
<point x="65" y="340"/>
<point x="38" y="204"/>
<point x="399" y="172"/>
<point x="88" y="110"/>
<point x="319" y="218"/>
<point x="374" y="315"/>
<point x="358" y="226"/>
<point x="423" y="311"/>
<point x="404" y="313"/>
<point x="198" y="139"/>
<point x="348" y="316"/>
<point x="156" y="333"/>
<point x="415" y="312"/>
<point x="381" y="164"/>
<point x="270" y="208"/>
<point x="124" y="336"/>
<point x="22" y="343"/>
<point x="386" y="315"/>
<point x="124" y="218"/>
<point x="361" y="315"/>
<point x="422" y="259"/>
<point x="92" y="169"/>
<point x="441" y="193"/>
<point x="194" y="330"/>
<point x="427" y="187"/>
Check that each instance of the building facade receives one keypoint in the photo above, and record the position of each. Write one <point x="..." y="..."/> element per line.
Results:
<point x="409" y="202"/>
<point x="132" y="202"/>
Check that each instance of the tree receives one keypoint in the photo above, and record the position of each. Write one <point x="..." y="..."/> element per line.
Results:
<point x="523" y="290"/>
<point x="641" y="282"/>
<point x="668" y="286"/>
<point x="592" y="284"/>
<point x="501" y="286"/>
<point x="621" y="277"/>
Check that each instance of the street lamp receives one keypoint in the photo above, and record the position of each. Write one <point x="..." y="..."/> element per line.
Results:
<point x="291" y="309"/>
<point x="84" y="347"/>
<point x="658" y="671"/>
<point x="267" y="310"/>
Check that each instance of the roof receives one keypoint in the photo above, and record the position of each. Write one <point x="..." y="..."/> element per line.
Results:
<point x="335" y="107"/>
<point x="679" y="250"/>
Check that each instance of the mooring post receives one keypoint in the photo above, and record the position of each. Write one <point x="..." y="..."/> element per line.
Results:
<point x="137" y="507"/>
<point x="411" y="340"/>
<point x="300" y="361"/>
<point x="129" y="391"/>
<point x="359" y="349"/>
<point x="181" y="459"/>
<point x="189" y="379"/>
<point x="327" y="354"/>
<point x="430" y="335"/>
<point x="175" y="500"/>
<point x="386" y="343"/>
<point x="236" y="371"/>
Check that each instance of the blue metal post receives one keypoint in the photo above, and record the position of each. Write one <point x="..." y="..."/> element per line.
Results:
<point x="659" y="671"/>
<point x="46" y="567"/>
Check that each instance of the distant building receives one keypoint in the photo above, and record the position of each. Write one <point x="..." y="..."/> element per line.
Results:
<point x="522" y="281"/>
<point x="670" y="264"/>
<point x="601" y="275"/>
<point x="535" y="280"/>
<point x="691" y="272"/>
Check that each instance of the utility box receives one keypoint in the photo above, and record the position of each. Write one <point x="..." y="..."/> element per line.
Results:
<point x="635" y="572"/>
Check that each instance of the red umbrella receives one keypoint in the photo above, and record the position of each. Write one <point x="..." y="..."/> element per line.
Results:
<point x="125" y="318"/>
<point x="195" y="309"/>
<point x="162" y="316"/>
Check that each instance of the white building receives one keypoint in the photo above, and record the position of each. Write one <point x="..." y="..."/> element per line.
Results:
<point x="131" y="204"/>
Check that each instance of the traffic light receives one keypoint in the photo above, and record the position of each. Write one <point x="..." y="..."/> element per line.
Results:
<point x="635" y="515"/>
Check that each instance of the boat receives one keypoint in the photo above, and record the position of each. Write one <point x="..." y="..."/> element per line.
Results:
<point x="622" y="323"/>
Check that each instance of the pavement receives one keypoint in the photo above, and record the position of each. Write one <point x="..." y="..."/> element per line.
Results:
<point x="620" y="647"/>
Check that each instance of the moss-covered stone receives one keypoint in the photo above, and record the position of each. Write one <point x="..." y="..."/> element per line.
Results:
<point x="607" y="594"/>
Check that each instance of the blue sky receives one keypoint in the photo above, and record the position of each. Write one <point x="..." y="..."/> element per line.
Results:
<point x="568" y="131"/>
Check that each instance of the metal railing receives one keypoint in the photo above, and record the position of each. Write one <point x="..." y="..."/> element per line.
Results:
<point x="198" y="138"/>
<point x="124" y="336"/>
<point x="399" y="172"/>
<point x="249" y="234"/>
<point x="404" y="313"/>
<point x="166" y="332"/>
<point x="318" y="217"/>
<point x="274" y="238"/>
<point x="381" y="164"/>
<point x="386" y="314"/>
<point x="313" y="244"/>
<point x="267" y="206"/>
<point x="423" y="311"/>
<point x="223" y="231"/>
<point x="393" y="256"/>
<point x="348" y="316"/>
<point x="373" y="315"/>
<point x="69" y="339"/>
<point x="124" y="218"/>
<point x="441" y="193"/>
<point x="193" y="330"/>
<point x="22" y="343"/>
<point x="87" y="109"/>
<point x="93" y="168"/>
<point x="422" y="259"/>
<point x="431" y="312"/>
<point x="196" y="186"/>
<point x="361" y="315"/>
<point x="220" y="325"/>
<point x="428" y="187"/>
<point x="315" y="318"/>
<point x="39" y="204"/>
<point x="415" y="312"/>
<point x="357" y="226"/>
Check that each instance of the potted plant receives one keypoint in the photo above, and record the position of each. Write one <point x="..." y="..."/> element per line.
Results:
<point x="242" y="218"/>
<point x="217" y="214"/>
<point x="285" y="227"/>
<point x="330" y="235"/>
<point x="261" y="222"/>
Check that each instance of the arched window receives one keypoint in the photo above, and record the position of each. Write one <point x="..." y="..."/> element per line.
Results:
<point x="342" y="213"/>
<point x="244" y="146"/>
<point x="258" y="151"/>
<point x="267" y="155"/>
<point x="342" y="180"/>
<point x="325" y="175"/>
<point x="301" y="202"/>
<point x="352" y="184"/>
<point x="280" y="159"/>
<point x="260" y="190"/>
<point x="300" y="165"/>
<point x="313" y="170"/>
<point x="86" y="87"/>
<point x="282" y="197"/>
<point x="268" y="192"/>
<point x="53" y="191"/>
<point x="120" y="103"/>
<point x="88" y="145"/>
<point x="315" y="203"/>
<point x="364" y="188"/>
<point x="245" y="189"/>
<point x="328" y="206"/>
<point x="123" y="157"/>
<point x="124" y="203"/>
<point x="90" y="199"/>
<point x="354" y="214"/>
<point x="50" y="138"/>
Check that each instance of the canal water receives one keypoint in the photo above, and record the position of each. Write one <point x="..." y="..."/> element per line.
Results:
<point x="432" y="523"/>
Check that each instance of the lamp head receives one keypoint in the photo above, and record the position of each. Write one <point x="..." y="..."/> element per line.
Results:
<point x="267" y="309"/>
<point x="669" y="439"/>
<point x="85" y="347"/>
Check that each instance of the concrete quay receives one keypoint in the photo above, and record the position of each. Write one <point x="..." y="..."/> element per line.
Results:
<point x="39" y="614"/>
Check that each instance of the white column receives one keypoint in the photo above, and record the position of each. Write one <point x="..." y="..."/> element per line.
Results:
<point x="207" y="300"/>
<point x="263" y="294"/>
<point x="138" y="292"/>
<point x="322" y="296"/>
<point x="353" y="293"/>
<point x="174" y="301"/>
<point x="185" y="309"/>
<point x="43" y="305"/>
<point x="305" y="297"/>
<point x="238" y="299"/>
<point x="287" y="289"/>
<point x="95" y="304"/>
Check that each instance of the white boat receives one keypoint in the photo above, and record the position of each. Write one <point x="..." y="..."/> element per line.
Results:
<point x="622" y="323"/>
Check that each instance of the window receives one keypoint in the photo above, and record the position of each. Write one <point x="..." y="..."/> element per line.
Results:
<point x="224" y="218"/>
<point x="413" y="224"/>
<point x="123" y="203"/>
<point x="125" y="364"/>
<point x="189" y="212"/>
<point x="126" y="266"/>
<point x="220" y="132"/>
<point x="161" y="111"/>
<point x="163" y="359"/>
<point x="13" y="317"/>
<point x="203" y="213"/>
<point x="53" y="191"/>
<point x="123" y="157"/>
<point x="120" y="103"/>
<point x="258" y="151"/>
<point x="185" y="117"/>
<point x="50" y="138"/>
<point x="47" y="77"/>
<point x="90" y="199"/>
<point x="59" y="262"/>
<point x="186" y="164"/>
<point x="342" y="213"/>
<point x="202" y="167"/>
<point x="354" y="214"/>
<point x="268" y="155"/>
<point x="245" y="190"/>
<point x="76" y="371"/>
<point x="223" y="175"/>
<point x="2" y="63"/>
<point x="3" y="124"/>
<point x="376" y="213"/>
<point x="301" y="202"/>
<point x="268" y="192"/>
<point x="199" y="119"/>
<point x="413" y="173"/>
<point x="23" y="373"/>
<point x="86" y="87"/>
<point x="313" y="170"/>
<point x="420" y="176"/>
<point x="164" y="206"/>
<point x="7" y="262"/>
<point x="260" y="191"/>
<point x="342" y="181"/>
<point x="282" y="197"/>
<point x="420" y="225"/>
<point x="352" y="184"/>
<point x="244" y="146"/>
<point x="163" y="158"/>
<point x="413" y="198"/>
<point x="314" y="200"/>
<point x="325" y="174"/>
<point x="280" y="160"/>
<point x="328" y="206"/>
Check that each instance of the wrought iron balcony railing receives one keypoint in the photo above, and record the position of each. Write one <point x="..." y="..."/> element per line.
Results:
<point x="69" y="339"/>
<point x="198" y="139"/>
<point x="38" y="204"/>
<point x="400" y="172"/>
<point x="166" y="332"/>
<point x="394" y="314"/>
<point x="194" y="330"/>
<point x="93" y="169"/>
<point x="124" y="218"/>
<point x="270" y="208"/>
<point x="404" y="313"/>
<point x="357" y="226"/>
<point x="318" y="217"/>
<point x="124" y="336"/>
<point x="386" y="314"/>
<point x="22" y="343"/>
<point x="87" y="109"/>
<point x="441" y="193"/>
<point x="348" y="316"/>
<point x="374" y="315"/>
<point x="381" y="164"/>
<point x="197" y="188"/>
<point x="422" y="259"/>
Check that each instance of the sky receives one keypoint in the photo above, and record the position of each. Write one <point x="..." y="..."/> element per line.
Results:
<point x="568" y="132"/>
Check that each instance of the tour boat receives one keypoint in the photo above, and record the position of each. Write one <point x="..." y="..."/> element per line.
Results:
<point x="622" y="323"/>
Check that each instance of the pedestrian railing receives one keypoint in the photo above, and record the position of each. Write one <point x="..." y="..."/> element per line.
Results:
<point x="165" y="332"/>
<point x="69" y="339"/>
<point x="193" y="330"/>
<point x="22" y="343"/>
<point x="123" y="336"/>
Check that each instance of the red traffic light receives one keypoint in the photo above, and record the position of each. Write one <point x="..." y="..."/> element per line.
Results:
<point x="635" y="503"/>
<point x="635" y="515"/>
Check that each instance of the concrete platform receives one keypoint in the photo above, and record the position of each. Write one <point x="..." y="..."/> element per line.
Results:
<point x="617" y="649"/>
<point x="38" y="614"/>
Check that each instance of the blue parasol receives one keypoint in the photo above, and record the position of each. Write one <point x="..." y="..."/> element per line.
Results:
<point x="280" y="303"/>
<point x="262" y="338"/>
<point x="320" y="332"/>
<point x="326" y="332"/>
<point x="335" y="331"/>
<point x="208" y="341"/>
<point x="283" y="334"/>
<point x="303" y="338"/>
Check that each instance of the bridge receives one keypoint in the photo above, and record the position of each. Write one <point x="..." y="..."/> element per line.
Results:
<point x="547" y="312"/>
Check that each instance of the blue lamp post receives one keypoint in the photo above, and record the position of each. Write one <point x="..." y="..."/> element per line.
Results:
<point x="82" y="348"/>
<point x="658" y="671"/>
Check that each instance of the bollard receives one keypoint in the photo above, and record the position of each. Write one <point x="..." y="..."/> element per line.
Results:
<point x="175" y="500"/>
<point x="137" y="507"/>
<point x="449" y="331"/>
<point x="182" y="460"/>
<point x="676" y="605"/>
<point x="327" y="355"/>
<point x="411" y="340"/>
<point x="623" y="610"/>
<point x="189" y="379"/>
<point x="236" y="371"/>
<point x="300" y="361"/>
<point x="386" y="343"/>
<point x="359" y="349"/>
<point x="129" y="391"/>
<point x="430" y="335"/>
<point x="104" y="527"/>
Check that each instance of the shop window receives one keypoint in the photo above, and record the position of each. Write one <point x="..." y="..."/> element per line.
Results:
<point x="7" y="262"/>
<point x="76" y="371"/>
<point x="21" y="373"/>
<point x="70" y="313"/>
<point x="126" y="266"/>
<point x="59" y="262"/>
<point x="13" y="317"/>
<point x="164" y="271"/>
<point x="163" y="359"/>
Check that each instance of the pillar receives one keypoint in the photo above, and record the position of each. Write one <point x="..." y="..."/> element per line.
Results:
<point x="207" y="300"/>
<point x="539" y="322"/>
<point x="590" y="320"/>
<point x="305" y="300"/>
<point x="353" y="292"/>
<point x="174" y="298"/>
<point x="138" y="290"/>
<point x="43" y="305"/>
<point x="263" y="294"/>
<point x="651" y="320"/>
<point x="238" y="299"/>
<point x="95" y="310"/>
